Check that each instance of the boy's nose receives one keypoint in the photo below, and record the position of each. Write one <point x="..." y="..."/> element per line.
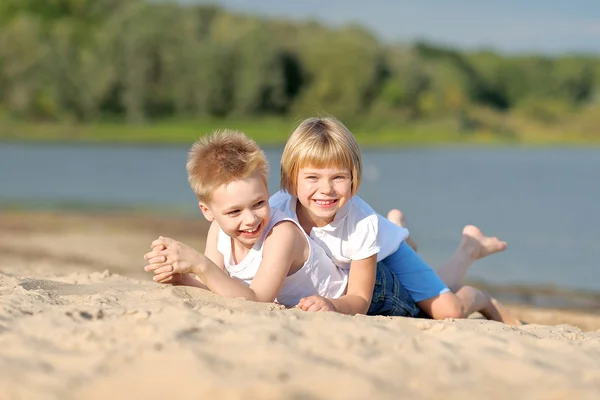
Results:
<point x="250" y="218"/>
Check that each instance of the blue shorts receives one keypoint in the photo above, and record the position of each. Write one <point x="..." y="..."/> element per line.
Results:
<point x="417" y="278"/>
<point x="389" y="296"/>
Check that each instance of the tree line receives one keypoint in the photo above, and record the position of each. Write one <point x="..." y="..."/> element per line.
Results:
<point x="86" y="60"/>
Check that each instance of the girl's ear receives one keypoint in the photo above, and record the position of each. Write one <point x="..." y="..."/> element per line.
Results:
<point x="206" y="211"/>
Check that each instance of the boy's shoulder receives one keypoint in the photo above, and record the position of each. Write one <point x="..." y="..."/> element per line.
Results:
<point x="283" y="229"/>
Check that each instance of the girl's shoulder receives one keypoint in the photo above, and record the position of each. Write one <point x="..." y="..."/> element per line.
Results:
<point x="279" y="197"/>
<point x="360" y="208"/>
<point x="360" y="216"/>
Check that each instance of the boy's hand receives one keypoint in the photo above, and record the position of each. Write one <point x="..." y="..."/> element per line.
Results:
<point x="169" y="277"/>
<point x="316" y="303"/>
<point x="162" y="273"/>
<point x="169" y="257"/>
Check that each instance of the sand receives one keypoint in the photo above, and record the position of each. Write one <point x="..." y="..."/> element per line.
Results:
<point x="79" y="319"/>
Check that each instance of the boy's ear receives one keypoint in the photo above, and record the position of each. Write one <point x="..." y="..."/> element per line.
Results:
<point x="206" y="211"/>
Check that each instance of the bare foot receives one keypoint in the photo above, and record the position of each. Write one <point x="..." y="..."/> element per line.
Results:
<point x="397" y="217"/>
<point x="505" y="315"/>
<point x="479" y="246"/>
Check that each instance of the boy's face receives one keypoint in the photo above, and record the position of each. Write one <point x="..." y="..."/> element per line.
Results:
<point x="322" y="192"/>
<point x="241" y="208"/>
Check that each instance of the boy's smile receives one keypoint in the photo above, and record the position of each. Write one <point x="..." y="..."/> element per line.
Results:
<point x="241" y="208"/>
<point x="252" y="231"/>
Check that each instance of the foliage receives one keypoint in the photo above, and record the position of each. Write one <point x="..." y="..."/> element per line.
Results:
<point x="86" y="61"/>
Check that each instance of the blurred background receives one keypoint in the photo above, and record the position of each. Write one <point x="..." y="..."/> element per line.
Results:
<point x="467" y="112"/>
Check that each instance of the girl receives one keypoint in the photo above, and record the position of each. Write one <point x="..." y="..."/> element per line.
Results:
<point x="253" y="251"/>
<point x="321" y="171"/>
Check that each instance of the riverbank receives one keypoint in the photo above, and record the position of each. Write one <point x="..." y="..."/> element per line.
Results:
<point x="275" y="131"/>
<point x="93" y="240"/>
<point x="79" y="319"/>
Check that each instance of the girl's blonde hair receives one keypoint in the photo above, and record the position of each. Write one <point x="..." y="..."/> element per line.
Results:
<point x="223" y="157"/>
<point x="320" y="143"/>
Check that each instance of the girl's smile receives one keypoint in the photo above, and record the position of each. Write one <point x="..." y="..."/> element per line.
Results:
<point x="322" y="192"/>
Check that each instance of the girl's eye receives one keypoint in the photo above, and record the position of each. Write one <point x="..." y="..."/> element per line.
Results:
<point x="311" y="178"/>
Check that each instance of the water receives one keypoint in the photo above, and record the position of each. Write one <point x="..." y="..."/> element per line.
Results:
<point x="544" y="202"/>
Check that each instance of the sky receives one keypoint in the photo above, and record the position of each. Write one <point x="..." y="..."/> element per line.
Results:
<point x="509" y="26"/>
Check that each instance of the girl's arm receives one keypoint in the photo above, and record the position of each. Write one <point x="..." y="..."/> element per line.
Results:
<point x="361" y="283"/>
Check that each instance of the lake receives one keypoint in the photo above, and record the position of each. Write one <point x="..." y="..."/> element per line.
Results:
<point x="543" y="202"/>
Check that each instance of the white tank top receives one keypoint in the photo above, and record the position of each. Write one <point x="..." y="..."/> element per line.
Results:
<point x="318" y="275"/>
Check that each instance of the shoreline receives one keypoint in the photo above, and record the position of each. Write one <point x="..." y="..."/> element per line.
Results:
<point x="80" y="319"/>
<point x="137" y="228"/>
<point x="274" y="131"/>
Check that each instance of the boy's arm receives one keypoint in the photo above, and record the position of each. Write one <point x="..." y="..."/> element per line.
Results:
<point x="284" y="246"/>
<point x="165" y="275"/>
<point x="210" y="250"/>
<point x="361" y="282"/>
<point x="281" y="249"/>
<point x="185" y="280"/>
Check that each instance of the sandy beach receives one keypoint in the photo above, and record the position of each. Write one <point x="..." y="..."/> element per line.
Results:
<point x="79" y="319"/>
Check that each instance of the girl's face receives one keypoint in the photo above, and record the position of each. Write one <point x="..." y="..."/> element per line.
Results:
<point x="322" y="192"/>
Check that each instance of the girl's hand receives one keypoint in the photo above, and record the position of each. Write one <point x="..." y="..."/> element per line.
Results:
<point x="316" y="304"/>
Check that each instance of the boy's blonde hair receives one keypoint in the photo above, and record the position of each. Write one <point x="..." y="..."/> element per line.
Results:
<point x="320" y="143"/>
<point x="222" y="157"/>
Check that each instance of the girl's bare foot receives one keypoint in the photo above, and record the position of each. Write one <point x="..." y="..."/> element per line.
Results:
<point x="397" y="217"/>
<point x="505" y="315"/>
<point x="479" y="246"/>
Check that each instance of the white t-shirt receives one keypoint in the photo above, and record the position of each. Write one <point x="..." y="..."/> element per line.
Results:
<point x="356" y="232"/>
<point x="318" y="276"/>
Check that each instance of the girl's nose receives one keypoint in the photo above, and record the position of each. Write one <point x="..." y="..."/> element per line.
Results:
<point x="325" y="186"/>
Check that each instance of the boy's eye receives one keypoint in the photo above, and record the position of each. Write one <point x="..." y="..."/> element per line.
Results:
<point x="259" y="204"/>
<point x="233" y="213"/>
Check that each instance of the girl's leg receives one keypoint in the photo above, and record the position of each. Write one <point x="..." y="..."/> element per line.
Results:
<point x="462" y="300"/>
<point x="397" y="217"/>
<point x="475" y="300"/>
<point x="473" y="246"/>
<point x="463" y="303"/>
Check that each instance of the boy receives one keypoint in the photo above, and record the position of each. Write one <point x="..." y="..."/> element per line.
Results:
<point x="253" y="251"/>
